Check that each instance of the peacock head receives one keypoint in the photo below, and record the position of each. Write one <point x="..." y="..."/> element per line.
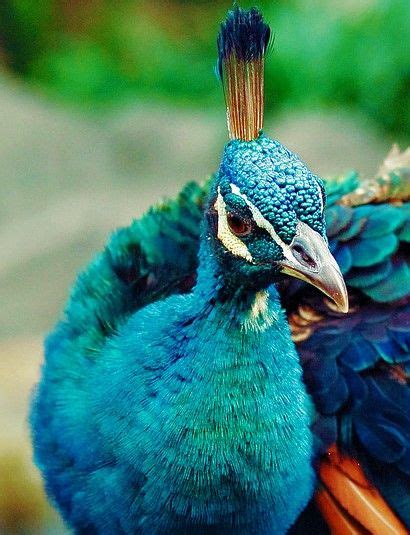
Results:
<point x="266" y="208"/>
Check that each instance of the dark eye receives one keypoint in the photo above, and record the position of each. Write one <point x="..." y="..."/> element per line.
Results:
<point x="239" y="226"/>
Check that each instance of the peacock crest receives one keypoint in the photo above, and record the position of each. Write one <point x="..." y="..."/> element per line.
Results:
<point x="242" y="44"/>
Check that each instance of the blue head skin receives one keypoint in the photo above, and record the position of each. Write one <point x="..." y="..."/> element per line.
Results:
<point x="266" y="219"/>
<point x="277" y="182"/>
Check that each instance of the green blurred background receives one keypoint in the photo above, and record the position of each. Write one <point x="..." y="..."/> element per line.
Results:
<point x="105" y="106"/>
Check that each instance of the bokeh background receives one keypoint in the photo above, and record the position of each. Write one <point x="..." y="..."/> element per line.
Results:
<point x="108" y="105"/>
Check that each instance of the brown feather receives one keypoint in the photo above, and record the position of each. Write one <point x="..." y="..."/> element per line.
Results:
<point x="242" y="43"/>
<point x="243" y="87"/>
<point x="347" y="492"/>
<point x="391" y="183"/>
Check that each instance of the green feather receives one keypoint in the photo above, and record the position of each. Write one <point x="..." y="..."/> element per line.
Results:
<point x="395" y="286"/>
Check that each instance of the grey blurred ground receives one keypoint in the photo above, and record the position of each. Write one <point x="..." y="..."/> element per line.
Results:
<point x="66" y="182"/>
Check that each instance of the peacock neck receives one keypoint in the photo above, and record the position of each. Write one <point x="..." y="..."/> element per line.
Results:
<point x="241" y="414"/>
<point x="236" y="424"/>
<point x="246" y="306"/>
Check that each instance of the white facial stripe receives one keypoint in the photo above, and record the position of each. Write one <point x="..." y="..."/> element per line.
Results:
<point x="320" y="197"/>
<point x="228" y="239"/>
<point x="262" y="222"/>
<point x="260" y="305"/>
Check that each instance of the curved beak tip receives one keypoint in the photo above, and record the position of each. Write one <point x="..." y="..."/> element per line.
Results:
<point x="326" y="274"/>
<point x="342" y="301"/>
<point x="334" y="286"/>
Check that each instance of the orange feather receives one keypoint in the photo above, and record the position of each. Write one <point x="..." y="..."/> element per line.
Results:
<point x="349" y="502"/>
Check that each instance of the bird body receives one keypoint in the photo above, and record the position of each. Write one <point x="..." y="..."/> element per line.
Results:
<point x="173" y="398"/>
<point x="211" y="410"/>
<point x="211" y="416"/>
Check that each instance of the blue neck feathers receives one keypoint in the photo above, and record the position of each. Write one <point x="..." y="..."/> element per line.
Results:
<point x="248" y="399"/>
<point x="221" y="410"/>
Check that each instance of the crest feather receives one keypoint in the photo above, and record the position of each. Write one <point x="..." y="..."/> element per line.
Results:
<point x="242" y="43"/>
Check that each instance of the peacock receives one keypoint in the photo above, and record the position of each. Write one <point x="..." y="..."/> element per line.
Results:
<point x="237" y="360"/>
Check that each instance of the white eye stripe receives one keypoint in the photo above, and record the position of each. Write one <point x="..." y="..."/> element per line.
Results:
<point x="320" y="197"/>
<point x="236" y="246"/>
<point x="231" y="242"/>
<point x="262" y="222"/>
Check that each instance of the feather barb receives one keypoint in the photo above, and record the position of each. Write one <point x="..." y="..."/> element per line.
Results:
<point x="242" y="43"/>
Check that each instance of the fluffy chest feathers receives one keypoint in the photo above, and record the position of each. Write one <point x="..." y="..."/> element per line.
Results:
<point x="213" y="414"/>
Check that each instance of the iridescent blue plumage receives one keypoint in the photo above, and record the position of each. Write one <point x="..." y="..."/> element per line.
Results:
<point x="173" y="399"/>
<point x="156" y="257"/>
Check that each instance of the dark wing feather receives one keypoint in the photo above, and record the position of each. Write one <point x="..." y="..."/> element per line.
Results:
<point x="357" y="366"/>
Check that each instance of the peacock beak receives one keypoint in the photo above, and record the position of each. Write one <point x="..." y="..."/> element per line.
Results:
<point x="308" y="258"/>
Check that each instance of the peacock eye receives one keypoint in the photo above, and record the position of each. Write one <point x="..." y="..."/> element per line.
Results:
<point x="239" y="226"/>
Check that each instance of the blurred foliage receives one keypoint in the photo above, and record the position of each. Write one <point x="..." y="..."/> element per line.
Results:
<point x="99" y="52"/>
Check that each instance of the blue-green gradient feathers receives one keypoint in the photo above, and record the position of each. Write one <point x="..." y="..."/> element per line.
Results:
<point x="101" y="426"/>
<point x="172" y="418"/>
<point x="173" y="398"/>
